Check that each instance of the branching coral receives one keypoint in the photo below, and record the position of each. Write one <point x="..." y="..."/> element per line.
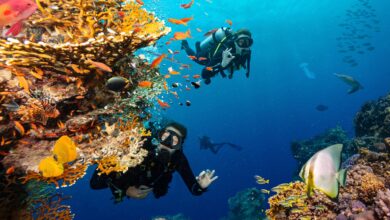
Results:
<point x="69" y="177"/>
<point x="52" y="208"/>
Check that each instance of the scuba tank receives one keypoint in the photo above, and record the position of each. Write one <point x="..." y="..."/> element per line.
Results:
<point x="209" y="43"/>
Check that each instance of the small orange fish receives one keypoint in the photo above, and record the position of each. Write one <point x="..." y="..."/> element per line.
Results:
<point x="198" y="30"/>
<point x="172" y="71"/>
<point x="158" y="60"/>
<point x="182" y="21"/>
<point x="24" y="83"/>
<point x="10" y="170"/>
<point x="188" y="5"/>
<point x="13" y="13"/>
<point x="210" y="32"/>
<point x="187" y="19"/>
<point x="145" y="84"/>
<point x="19" y="127"/>
<point x="192" y="57"/>
<point x="166" y="76"/>
<point x="188" y="88"/>
<point x="165" y="86"/>
<point x="140" y="2"/>
<point x="196" y="76"/>
<point x="137" y="29"/>
<point x="186" y="76"/>
<point x="185" y="66"/>
<point x="202" y="58"/>
<point x="209" y="68"/>
<point x="168" y="42"/>
<point x="229" y="22"/>
<point x="182" y="35"/>
<point x="99" y="65"/>
<point x="163" y="104"/>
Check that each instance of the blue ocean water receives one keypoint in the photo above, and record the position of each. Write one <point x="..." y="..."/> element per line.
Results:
<point x="264" y="113"/>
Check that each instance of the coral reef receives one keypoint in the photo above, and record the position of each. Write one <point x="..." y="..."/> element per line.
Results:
<point x="292" y="202"/>
<point x="303" y="150"/>
<point x="365" y="195"/>
<point x="373" y="119"/>
<point x="246" y="204"/>
<point x="53" y="83"/>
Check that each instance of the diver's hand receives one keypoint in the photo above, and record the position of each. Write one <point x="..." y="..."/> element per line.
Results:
<point x="138" y="193"/>
<point x="205" y="178"/>
<point x="227" y="57"/>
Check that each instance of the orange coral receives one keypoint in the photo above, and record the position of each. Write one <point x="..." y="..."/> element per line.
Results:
<point x="68" y="178"/>
<point x="52" y="209"/>
<point x="110" y="164"/>
<point x="370" y="185"/>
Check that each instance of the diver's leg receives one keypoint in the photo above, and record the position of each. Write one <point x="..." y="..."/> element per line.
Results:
<point x="98" y="181"/>
<point x="186" y="47"/>
<point x="206" y="75"/>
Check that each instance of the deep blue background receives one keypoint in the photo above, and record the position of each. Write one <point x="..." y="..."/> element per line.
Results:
<point x="264" y="113"/>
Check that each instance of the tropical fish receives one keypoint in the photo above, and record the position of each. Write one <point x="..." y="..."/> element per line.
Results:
<point x="181" y="35"/>
<point x="145" y="84"/>
<point x="209" y="68"/>
<point x="10" y="170"/>
<point x="116" y="83"/>
<point x="196" y="76"/>
<point x="355" y="85"/>
<point x="210" y="32"/>
<point x="196" y="84"/>
<point x="64" y="151"/>
<point x="198" y="30"/>
<point x="229" y="22"/>
<point x="188" y="5"/>
<point x="192" y="57"/>
<point x="322" y="171"/>
<point x="186" y="76"/>
<point x="162" y="104"/>
<point x="99" y="65"/>
<point x="182" y="21"/>
<point x="188" y="103"/>
<point x="260" y="180"/>
<point x="158" y="60"/>
<point x="202" y="58"/>
<point x="140" y="2"/>
<point x="172" y="71"/>
<point x="19" y="127"/>
<point x="14" y="12"/>
<point x="175" y="85"/>
<point x="265" y="191"/>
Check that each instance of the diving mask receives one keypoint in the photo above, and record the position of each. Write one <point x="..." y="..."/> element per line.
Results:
<point x="170" y="139"/>
<point x="244" y="41"/>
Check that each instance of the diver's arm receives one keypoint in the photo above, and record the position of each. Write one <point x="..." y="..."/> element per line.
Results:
<point x="248" y="65"/>
<point x="188" y="176"/>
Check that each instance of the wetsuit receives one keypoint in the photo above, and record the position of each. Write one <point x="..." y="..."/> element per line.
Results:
<point x="152" y="173"/>
<point x="214" y="57"/>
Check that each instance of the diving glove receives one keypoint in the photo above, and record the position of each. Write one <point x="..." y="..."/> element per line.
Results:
<point x="227" y="57"/>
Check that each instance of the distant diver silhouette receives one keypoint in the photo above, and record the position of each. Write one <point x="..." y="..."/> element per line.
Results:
<point x="206" y="143"/>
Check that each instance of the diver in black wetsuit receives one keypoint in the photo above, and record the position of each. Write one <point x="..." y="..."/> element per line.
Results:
<point x="155" y="173"/>
<point x="206" y="143"/>
<point x="222" y="50"/>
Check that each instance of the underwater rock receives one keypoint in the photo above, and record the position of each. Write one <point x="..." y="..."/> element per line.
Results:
<point x="303" y="150"/>
<point x="373" y="119"/>
<point x="246" y="204"/>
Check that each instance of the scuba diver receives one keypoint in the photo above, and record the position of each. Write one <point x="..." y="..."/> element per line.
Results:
<point x="222" y="50"/>
<point x="165" y="156"/>
<point x="206" y="143"/>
